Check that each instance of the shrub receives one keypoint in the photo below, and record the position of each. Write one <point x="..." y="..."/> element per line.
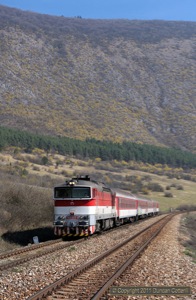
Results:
<point x="179" y="187"/>
<point x="26" y="206"/>
<point x="24" y="172"/>
<point x="168" y="194"/>
<point x="145" y="190"/>
<point x="155" y="187"/>
<point x="44" y="160"/>
<point x="186" y="207"/>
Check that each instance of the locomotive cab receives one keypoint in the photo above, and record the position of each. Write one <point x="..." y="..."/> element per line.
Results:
<point x="73" y="204"/>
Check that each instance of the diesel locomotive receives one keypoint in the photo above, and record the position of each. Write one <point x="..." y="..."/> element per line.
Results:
<point x="83" y="206"/>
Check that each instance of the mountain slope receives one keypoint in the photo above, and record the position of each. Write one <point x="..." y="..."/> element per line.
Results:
<point x="106" y="79"/>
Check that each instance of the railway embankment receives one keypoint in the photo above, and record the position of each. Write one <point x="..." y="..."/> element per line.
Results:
<point x="164" y="263"/>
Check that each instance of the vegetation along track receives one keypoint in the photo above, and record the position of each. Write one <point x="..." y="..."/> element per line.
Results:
<point x="92" y="279"/>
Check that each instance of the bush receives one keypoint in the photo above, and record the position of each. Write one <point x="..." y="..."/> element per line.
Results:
<point x="145" y="190"/>
<point x="155" y="187"/>
<point x="44" y="160"/>
<point x="186" y="207"/>
<point x="24" y="172"/>
<point x="168" y="194"/>
<point x="179" y="187"/>
<point x="26" y="206"/>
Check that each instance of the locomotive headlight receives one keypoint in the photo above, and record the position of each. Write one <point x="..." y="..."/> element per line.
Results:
<point x="83" y="222"/>
<point x="59" y="220"/>
<point x="72" y="182"/>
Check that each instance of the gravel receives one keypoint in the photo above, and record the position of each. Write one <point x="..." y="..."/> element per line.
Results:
<point x="163" y="263"/>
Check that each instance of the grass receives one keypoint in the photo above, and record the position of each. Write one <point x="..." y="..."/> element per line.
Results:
<point x="72" y="248"/>
<point x="191" y="253"/>
<point x="185" y="196"/>
<point x="188" y="228"/>
<point x="26" y="198"/>
<point x="61" y="167"/>
<point x="180" y="197"/>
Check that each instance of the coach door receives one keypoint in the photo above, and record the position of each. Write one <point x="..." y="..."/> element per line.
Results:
<point x="117" y="206"/>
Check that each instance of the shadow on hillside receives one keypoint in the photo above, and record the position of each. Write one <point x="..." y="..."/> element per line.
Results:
<point x="25" y="237"/>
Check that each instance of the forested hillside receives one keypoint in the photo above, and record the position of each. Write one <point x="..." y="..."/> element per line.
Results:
<point x="104" y="150"/>
<point x="120" y="80"/>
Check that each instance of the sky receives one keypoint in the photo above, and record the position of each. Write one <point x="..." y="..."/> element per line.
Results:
<point x="175" y="10"/>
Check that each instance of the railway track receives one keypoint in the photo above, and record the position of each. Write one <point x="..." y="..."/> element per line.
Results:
<point x="26" y="249"/>
<point x="93" y="279"/>
<point x="16" y="257"/>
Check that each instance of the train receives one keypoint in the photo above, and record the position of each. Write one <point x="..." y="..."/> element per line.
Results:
<point x="83" y="207"/>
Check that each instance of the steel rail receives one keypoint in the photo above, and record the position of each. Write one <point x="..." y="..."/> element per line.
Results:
<point x="33" y="247"/>
<point x="124" y="266"/>
<point x="19" y="261"/>
<point x="53" y="242"/>
<point x="62" y="281"/>
<point x="28" y="248"/>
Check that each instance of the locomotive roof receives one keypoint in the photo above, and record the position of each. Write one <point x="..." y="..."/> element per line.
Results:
<point x="82" y="181"/>
<point x="86" y="181"/>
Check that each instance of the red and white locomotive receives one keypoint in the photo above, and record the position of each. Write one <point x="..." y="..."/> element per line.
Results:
<point x="83" y="206"/>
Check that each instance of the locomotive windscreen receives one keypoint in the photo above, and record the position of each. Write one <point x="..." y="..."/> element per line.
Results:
<point x="71" y="192"/>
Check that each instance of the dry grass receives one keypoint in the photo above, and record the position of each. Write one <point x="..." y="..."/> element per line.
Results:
<point x="61" y="167"/>
<point x="26" y="197"/>
<point x="188" y="229"/>
<point x="185" y="196"/>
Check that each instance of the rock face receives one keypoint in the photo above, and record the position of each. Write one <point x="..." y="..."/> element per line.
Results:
<point x="120" y="79"/>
